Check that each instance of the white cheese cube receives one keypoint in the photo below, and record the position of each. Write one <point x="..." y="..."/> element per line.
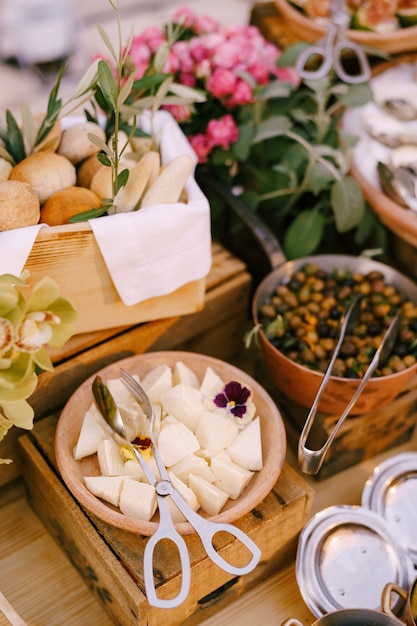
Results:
<point x="185" y="403"/>
<point x="192" y="464"/>
<point x="137" y="500"/>
<point x="135" y="421"/>
<point x="187" y="494"/>
<point x="211" y="383"/>
<point x="91" y="434"/>
<point x="107" y="488"/>
<point x="157" y="381"/>
<point x="215" y="431"/>
<point x="246" y="449"/>
<point x="168" y="419"/>
<point x="230" y="477"/>
<point x="211" y="498"/>
<point x="134" y="469"/>
<point x="119" y="391"/>
<point x="183" y="374"/>
<point x="175" y="442"/>
<point x="109" y="458"/>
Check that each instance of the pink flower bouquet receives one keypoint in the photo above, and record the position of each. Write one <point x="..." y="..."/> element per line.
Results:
<point x="228" y="62"/>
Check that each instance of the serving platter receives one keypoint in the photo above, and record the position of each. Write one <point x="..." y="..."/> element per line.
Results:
<point x="367" y="152"/>
<point x="73" y="472"/>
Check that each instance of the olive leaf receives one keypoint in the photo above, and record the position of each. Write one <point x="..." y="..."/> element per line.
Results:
<point x="304" y="234"/>
<point x="347" y="203"/>
<point x="107" y="83"/>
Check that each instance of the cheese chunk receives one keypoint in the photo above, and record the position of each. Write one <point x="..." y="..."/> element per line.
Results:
<point x="138" y="500"/>
<point x="185" y="403"/>
<point x="133" y="468"/>
<point x="215" y="431"/>
<point x="211" y="498"/>
<point x="183" y="374"/>
<point x="157" y="381"/>
<point x="91" y="434"/>
<point x="175" y="442"/>
<point x="187" y="494"/>
<point x="107" y="488"/>
<point x="192" y="464"/>
<point x="230" y="477"/>
<point x="246" y="449"/>
<point x="211" y="382"/>
<point x="109" y="458"/>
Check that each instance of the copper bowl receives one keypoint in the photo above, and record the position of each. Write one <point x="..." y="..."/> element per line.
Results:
<point x="306" y="29"/>
<point x="300" y="383"/>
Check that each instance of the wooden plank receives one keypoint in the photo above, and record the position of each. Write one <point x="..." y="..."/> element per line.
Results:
<point x="274" y="525"/>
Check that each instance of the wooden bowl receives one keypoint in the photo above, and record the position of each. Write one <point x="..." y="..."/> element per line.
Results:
<point x="300" y="383"/>
<point x="402" y="40"/>
<point x="73" y="472"/>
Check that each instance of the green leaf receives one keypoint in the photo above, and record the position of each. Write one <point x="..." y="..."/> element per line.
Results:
<point x="104" y="159"/>
<point x="125" y="91"/>
<point x="107" y="42"/>
<point x="122" y="178"/>
<point x="87" y="81"/>
<point x="107" y="83"/>
<point x="319" y="178"/>
<point x="357" y="95"/>
<point x="15" y="143"/>
<point x="290" y="55"/>
<point x="304" y="234"/>
<point x="97" y="141"/>
<point x="161" y="57"/>
<point x="241" y="147"/>
<point x="274" y="89"/>
<point x="188" y="93"/>
<point x="347" y="203"/>
<point x="89" y="215"/>
<point x="28" y="126"/>
<point x="272" y="127"/>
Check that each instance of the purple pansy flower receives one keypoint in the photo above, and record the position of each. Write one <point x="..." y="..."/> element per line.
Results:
<point x="234" y="398"/>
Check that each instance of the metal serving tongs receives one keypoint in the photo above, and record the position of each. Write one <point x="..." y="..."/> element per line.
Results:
<point x="310" y="461"/>
<point x="163" y="486"/>
<point x="330" y="50"/>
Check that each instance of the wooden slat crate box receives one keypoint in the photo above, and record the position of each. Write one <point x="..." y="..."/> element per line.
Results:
<point x="360" y="437"/>
<point x="110" y="560"/>
<point x="217" y="330"/>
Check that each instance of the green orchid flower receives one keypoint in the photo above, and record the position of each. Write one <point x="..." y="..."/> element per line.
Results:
<point x="29" y="323"/>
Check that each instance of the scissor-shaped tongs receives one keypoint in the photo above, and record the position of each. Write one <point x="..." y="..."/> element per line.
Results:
<point x="331" y="48"/>
<point x="163" y="486"/>
<point x="310" y="461"/>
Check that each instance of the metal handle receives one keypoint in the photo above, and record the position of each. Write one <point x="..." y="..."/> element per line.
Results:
<point x="206" y="530"/>
<point x="310" y="461"/>
<point x="166" y="530"/>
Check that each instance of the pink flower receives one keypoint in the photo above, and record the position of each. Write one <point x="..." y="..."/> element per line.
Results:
<point x="181" y="112"/>
<point x="288" y="75"/>
<point x="205" y="24"/>
<point x="221" y="83"/>
<point x="188" y="78"/>
<point x="227" y="54"/>
<point x="153" y="37"/>
<point x="242" y="94"/>
<point x="201" y="147"/>
<point x="185" y="16"/>
<point x="222" y="132"/>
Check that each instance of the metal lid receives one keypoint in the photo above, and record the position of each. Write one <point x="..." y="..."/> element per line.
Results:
<point x="346" y="555"/>
<point x="391" y="491"/>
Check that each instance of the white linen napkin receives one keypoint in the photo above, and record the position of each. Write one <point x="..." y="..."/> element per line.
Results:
<point x="15" y="247"/>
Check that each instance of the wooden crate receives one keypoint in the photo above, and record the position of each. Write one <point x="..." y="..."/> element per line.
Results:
<point x="110" y="560"/>
<point x="216" y="330"/>
<point x="360" y="437"/>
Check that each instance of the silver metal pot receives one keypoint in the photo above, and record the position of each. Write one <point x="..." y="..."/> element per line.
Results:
<point x="350" y="617"/>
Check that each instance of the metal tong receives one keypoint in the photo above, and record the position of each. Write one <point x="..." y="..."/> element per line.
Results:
<point x="166" y="528"/>
<point x="331" y="48"/>
<point x="310" y="461"/>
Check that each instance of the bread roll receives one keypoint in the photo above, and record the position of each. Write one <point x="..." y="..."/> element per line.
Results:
<point x="19" y="205"/>
<point x="64" y="204"/>
<point x="45" y="172"/>
<point x="76" y="145"/>
<point x="86" y="170"/>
